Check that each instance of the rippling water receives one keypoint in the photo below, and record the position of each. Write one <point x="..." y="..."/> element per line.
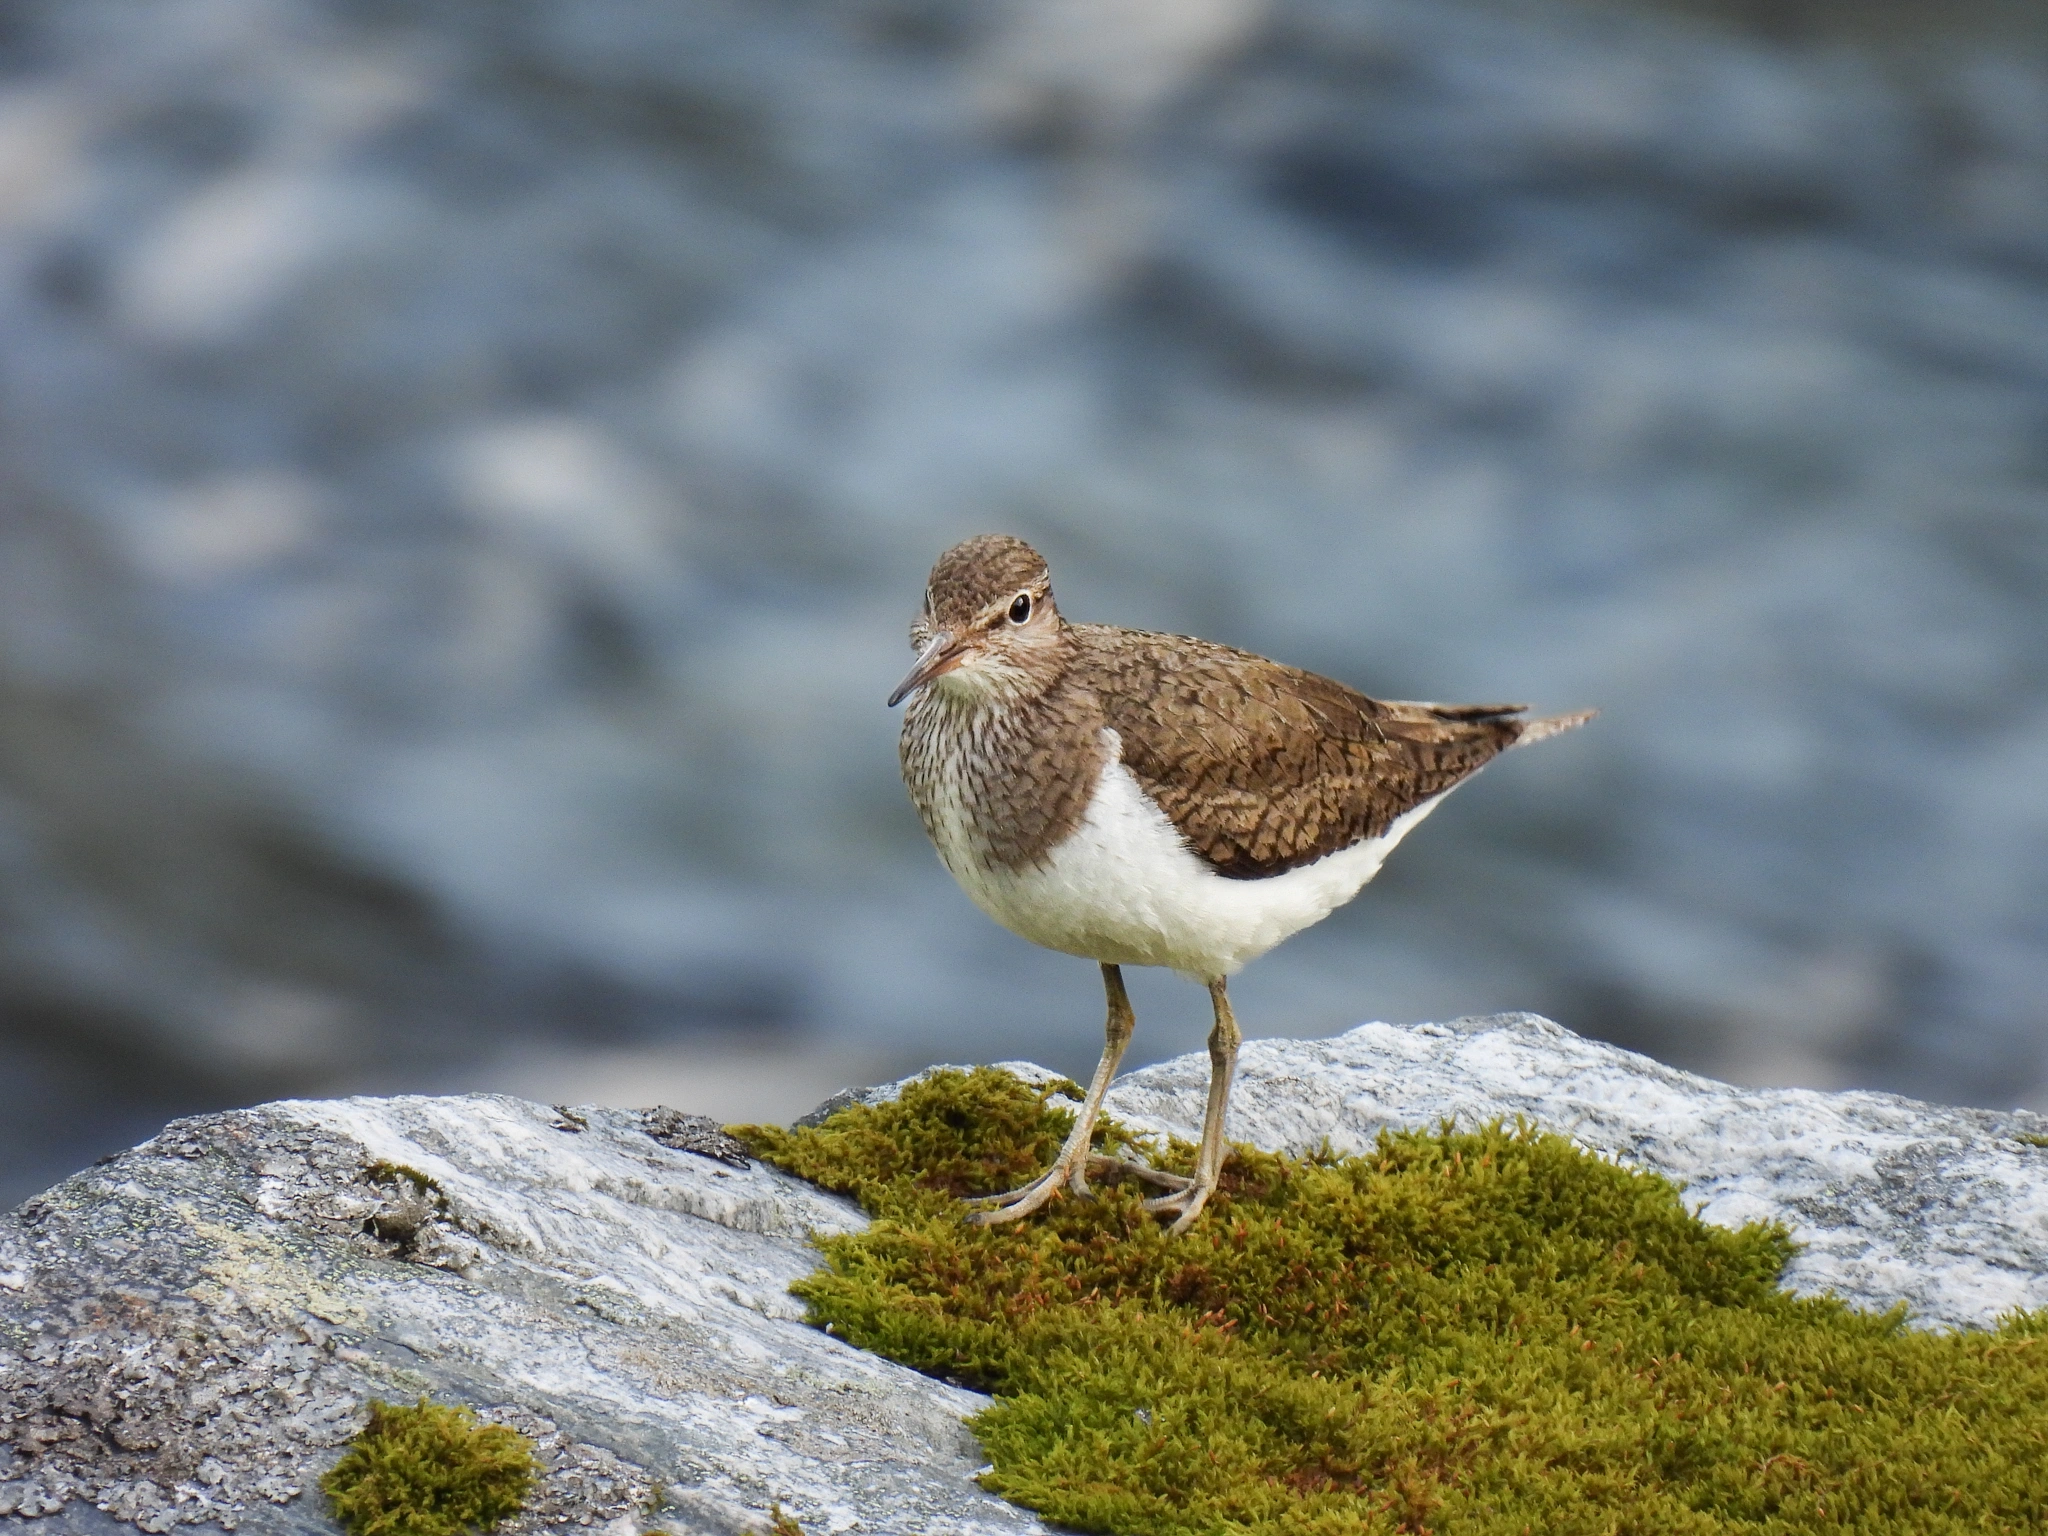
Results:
<point x="465" y="472"/>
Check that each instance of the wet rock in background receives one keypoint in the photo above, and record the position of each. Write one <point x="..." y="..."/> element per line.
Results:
<point x="467" y="469"/>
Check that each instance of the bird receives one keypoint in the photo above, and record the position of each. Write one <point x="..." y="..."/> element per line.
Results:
<point x="1151" y="799"/>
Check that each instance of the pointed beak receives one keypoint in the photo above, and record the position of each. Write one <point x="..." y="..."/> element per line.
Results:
<point x="940" y="656"/>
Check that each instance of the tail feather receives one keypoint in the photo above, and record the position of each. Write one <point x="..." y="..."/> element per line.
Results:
<point x="1474" y="711"/>
<point x="1553" y="725"/>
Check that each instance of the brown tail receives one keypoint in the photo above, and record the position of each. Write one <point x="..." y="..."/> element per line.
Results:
<point x="1553" y="725"/>
<point x="1472" y="711"/>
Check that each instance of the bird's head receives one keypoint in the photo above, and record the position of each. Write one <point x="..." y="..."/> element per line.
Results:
<point x="988" y="626"/>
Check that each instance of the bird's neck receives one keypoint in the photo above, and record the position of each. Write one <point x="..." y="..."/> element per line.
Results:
<point x="1002" y="775"/>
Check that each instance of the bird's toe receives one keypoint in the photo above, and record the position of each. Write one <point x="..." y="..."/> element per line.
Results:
<point x="1185" y="1204"/>
<point x="1143" y="1172"/>
<point x="1014" y="1203"/>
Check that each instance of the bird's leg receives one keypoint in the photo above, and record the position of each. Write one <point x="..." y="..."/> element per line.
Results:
<point x="1071" y="1166"/>
<point x="1223" y="1043"/>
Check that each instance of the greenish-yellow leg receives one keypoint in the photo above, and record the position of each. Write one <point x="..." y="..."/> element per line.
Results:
<point x="1071" y="1167"/>
<point x="1223" y="1043"/>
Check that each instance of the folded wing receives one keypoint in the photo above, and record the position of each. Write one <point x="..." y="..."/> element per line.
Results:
<point x="1263" y="767"/>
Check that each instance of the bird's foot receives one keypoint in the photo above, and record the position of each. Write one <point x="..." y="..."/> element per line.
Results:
<point x="1186" y="1204"/>
<point x="1022" y="1201"/>
<point x="1141" y="1171"/>
<point x="1014" y="1203"/>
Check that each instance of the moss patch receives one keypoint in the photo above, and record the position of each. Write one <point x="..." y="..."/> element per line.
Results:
<point x="429" y="1470"/>
<point x="404" y="1173"/>
<point x="1464" y="1332"/>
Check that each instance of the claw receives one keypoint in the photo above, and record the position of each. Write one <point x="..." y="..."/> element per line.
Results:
<point x="1186" y="1202"/>
<point x="1016" y="1203"/>
<point x="1005" y="1197"/>
<point x="1026" y="1198"/>
<point x="1077" y="1178"/>
<point x="1022" y="1201"/>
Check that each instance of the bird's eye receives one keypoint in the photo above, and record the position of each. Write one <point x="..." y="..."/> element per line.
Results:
<point x="1020" y="610"/>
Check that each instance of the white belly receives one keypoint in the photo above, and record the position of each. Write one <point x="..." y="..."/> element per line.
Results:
<point x="1125" y="888"/>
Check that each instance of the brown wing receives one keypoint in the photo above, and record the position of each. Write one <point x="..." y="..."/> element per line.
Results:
<point x="1264" y="767"/>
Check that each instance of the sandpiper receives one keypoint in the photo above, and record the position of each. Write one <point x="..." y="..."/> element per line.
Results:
<point x="1142" y="799"/>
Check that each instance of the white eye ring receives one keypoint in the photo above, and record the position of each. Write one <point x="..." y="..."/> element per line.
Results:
<point x="1020" y="609"/>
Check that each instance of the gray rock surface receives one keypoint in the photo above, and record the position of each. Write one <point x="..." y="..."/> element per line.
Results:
<point x="188" y="1331"/>
<point x="466" y="467"/>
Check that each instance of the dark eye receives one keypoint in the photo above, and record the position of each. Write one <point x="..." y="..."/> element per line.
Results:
<point x="1020" y="610"/>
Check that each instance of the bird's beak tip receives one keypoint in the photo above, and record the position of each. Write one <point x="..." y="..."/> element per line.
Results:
<point x="939" y="656"/>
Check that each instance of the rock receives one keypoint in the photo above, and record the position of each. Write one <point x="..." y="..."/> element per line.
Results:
<point x="188" y="1331"/>
<point x="1894" y="1200"/>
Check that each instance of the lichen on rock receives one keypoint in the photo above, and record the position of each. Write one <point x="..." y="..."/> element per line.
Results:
<point x="164" y="1412"/>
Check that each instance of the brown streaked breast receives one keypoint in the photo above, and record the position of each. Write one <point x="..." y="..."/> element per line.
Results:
<point x="1021" y="774"/>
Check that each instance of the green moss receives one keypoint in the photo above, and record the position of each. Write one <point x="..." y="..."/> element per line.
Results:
<point x="396" y="1173"/>
<point x="2032" y="1140"/>
<point x="1488" y="1332"/>
<point x="428" y="1470"/>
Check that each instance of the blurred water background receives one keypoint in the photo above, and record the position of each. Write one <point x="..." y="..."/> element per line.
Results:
<point x="466" y="468"/>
